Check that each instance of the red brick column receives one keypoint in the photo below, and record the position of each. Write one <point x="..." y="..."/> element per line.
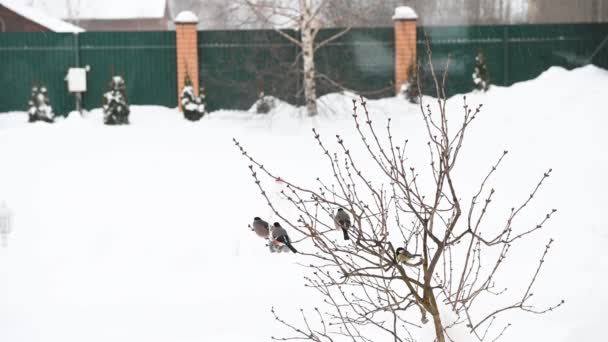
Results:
<point x="405" y="43"/>
<point x="187" y="51"/>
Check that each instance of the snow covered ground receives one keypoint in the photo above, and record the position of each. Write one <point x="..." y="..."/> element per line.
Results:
<point x="139" y="233"/>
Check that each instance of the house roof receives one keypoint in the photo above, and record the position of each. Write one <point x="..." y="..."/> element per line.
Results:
<point x="102" y="9"/>
<point x="41" y="18"/>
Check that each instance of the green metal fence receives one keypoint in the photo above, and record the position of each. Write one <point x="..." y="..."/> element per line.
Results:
<point x="235" y="66"/>
<point x="145" y="59"/>
<point x="238" y="65"/>
<point x="34" y="58"/>
<point x="514" y="53"/>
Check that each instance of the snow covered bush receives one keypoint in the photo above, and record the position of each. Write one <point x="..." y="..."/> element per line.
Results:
<point x="115" y="105"/>
<point x="40" y="108"/>
<point x="193" y="106"/>
<point x="264" y="104"/>
<point x="481" y="76"/>
<point x="410" y="89"/>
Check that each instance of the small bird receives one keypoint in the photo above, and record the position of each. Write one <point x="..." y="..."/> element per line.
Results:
<point x="342" y="221"/>
<point x="279" y="234"/>
<point x="260" y="227"/>
<point x="403" y="256"/>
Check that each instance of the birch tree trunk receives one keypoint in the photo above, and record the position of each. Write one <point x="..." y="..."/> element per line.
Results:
<point x="308" y="33"/>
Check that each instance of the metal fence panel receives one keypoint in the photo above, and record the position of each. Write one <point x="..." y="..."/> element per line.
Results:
<point x="534" y="48"/>
<point x="460" y="45"/>
<point x="362" y="60"/>
<point x="27" y="59"/>
<point x="146" y="60"/>
<point x="235" y="66"/>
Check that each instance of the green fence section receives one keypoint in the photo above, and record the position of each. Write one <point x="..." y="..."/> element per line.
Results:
<point x="34" y="58"/>
<point x="514" y="53"/>
<point x="145" y="59"/>
<point x="362" y="60"/>
<point x="235" y="66"/>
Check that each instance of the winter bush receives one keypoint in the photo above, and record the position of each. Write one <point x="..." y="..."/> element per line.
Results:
<point x="264" y="104"/>
<point x="40" y="108"/>
<point x="193" y="106"/>
<point x="410" y="90"/>
<point x="115" y="105"/>
<point x="422" y="250"/>
<point x="481" y="76"/>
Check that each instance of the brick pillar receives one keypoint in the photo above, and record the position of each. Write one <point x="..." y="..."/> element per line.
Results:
<point x="405" y="20"/>
<point x="187" y="51"/>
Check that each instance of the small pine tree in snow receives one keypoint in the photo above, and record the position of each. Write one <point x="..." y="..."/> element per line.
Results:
<point x="40" y="108"/>
<point x="481" y="76"/>
<point x="409" y="90"/>
<point x="192" y="105"/>
<point x="264" y="104"/>
<point x="115" y="105"/>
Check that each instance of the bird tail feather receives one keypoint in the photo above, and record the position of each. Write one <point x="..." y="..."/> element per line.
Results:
<point x="291" y="248"/>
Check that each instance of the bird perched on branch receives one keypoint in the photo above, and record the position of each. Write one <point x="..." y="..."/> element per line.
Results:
<point x="279" y="234"/>
<point x="260" y="227"/>
<point x="342" y="221"/>
<point x="403" y="256"/>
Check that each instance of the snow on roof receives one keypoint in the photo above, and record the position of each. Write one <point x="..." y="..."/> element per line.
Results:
<point x="51" y="23"/>
<point x="405" y="13"/>
<point x="186" y="17"/>
<point x="103" y="9"/>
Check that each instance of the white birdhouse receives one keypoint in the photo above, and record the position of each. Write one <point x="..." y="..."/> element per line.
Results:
<point x="77" y="80"/>
<point x="5" y="223"/>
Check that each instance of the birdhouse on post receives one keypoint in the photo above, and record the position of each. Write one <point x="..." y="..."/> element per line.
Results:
<point x="405" y="20"/>
<point x="77" y="84"/>
<point x="187" y="51"/>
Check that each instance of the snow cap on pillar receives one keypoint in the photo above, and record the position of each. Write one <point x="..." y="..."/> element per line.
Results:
<point x="405" y="13"/>
<point x="186" y="17"/>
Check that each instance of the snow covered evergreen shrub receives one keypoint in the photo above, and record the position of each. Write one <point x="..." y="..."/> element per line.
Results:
<point x="193" y="106"/>
<point x="264" y="104"/>
<point x="40" y="108"/>
<point x="409" y="90"/>
<point x="115" y="105"/>
<point x="481" y="76"/>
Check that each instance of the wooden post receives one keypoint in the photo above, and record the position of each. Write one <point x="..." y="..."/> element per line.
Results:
<point x="187" y="51"/>
<point x="405" y="20"/>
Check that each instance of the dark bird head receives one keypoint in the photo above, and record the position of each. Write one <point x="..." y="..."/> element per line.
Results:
<point x="340" y="209"/>
<point x="276" y="224"/>
<point x="400" y="250"/>
<point x="257" y="219"/>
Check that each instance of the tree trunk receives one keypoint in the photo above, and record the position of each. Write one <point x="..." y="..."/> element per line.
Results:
<point x="436" y="318"/>
<point x="308" y="57"/>
<point x="310" y="88"/>
<point x="438" y="327"/>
